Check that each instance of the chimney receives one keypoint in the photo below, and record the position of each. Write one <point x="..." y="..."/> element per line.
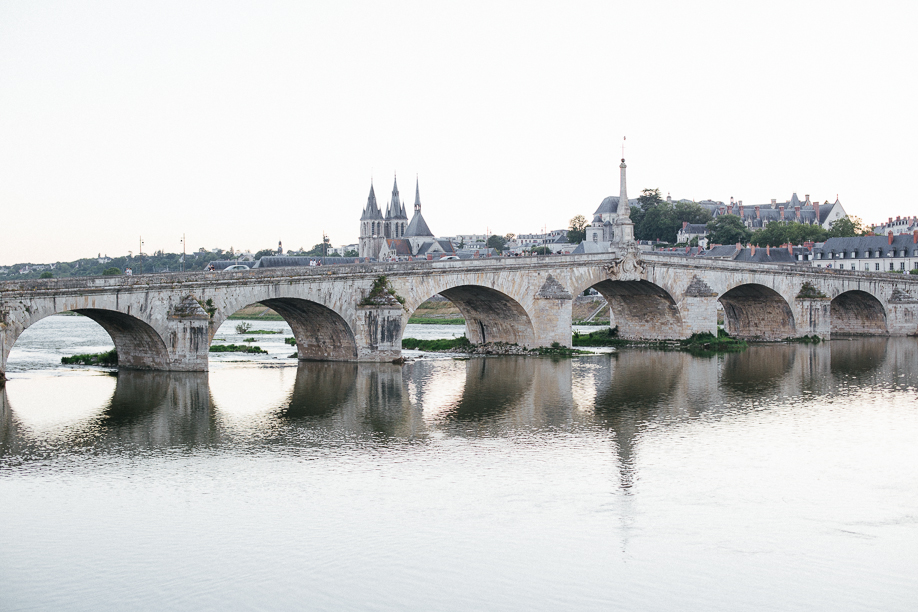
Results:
<point x="758" y="215"/>
<point x="816" y="210"/>
<point x="774" y="203"/>
<point x="797" y="213"/>
<point x="781" y="214"/>
<point x="741" y="209"/>
<point x="752" y="247"/>
<point x="807" y="201"/>
<point x="915" y="237"/>
<point x="790" y="248"/>
<point x="890" y="237"/>
<point x="684" y="224"/>
<point x="738" y="246"/>
<point x="768" y="250"/>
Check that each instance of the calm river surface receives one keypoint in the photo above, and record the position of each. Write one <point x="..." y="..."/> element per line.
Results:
<point x="781" y="478"/>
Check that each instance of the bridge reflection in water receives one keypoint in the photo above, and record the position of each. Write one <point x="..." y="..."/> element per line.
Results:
<point x="349" y="405"/>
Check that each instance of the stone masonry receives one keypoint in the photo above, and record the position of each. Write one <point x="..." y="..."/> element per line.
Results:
<point x="167" y="321"/>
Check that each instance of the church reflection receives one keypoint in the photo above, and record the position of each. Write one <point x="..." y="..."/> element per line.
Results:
<point x="619" y="396"/>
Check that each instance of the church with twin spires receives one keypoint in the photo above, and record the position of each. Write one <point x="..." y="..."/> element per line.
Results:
<point x="393" y="236"/>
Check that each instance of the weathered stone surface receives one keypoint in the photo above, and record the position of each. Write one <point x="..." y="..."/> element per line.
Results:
<point x="158" y="321"/>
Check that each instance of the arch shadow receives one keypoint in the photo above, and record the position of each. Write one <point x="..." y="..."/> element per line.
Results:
<point x="491" y="315"/>
<point x="321" y="333"/>
<point x="858" y="313"/>
<point x="642" y="310"/>
<point x="757" y="312"/>
<point x="139" y="346"/>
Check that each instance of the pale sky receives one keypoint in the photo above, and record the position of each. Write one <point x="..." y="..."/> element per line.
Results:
<point x="244" y="123"/>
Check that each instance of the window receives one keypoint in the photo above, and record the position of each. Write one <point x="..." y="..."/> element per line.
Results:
<point x="878" y="266"/>
<point x="902" y="265"/>
<point x="890" y="266"/>
<point x="853" y="267"/>
<point x="595" y="237"/>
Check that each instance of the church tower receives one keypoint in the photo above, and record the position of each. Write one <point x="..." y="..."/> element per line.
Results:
<point x="371" y="228"/>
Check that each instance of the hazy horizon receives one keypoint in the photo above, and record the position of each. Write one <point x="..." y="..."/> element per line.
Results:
<point x="247" y="123"/>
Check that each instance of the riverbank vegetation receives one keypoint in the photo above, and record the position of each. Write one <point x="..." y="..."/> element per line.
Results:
<point x="236" y="348"/>
<point x="108" y="358"/>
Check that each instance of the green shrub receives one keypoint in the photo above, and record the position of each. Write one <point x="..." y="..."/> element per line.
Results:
<point x="108" y="358"/>
<point x="113" y="271"/>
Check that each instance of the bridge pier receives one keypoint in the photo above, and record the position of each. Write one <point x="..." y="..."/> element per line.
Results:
<point x="813" y="317"/>
<point x="553" y="312"/>
<point x="378" y="332"/>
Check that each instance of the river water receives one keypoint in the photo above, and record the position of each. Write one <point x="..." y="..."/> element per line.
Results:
<point x="781" y="478"/>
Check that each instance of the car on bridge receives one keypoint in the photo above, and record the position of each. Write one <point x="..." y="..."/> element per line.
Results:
<point x="235" y="268"/>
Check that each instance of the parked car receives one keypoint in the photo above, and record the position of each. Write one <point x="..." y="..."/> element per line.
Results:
<point x="235" y="268"/>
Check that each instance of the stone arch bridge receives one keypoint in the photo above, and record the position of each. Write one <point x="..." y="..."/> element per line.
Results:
<point x="345" y="313"/>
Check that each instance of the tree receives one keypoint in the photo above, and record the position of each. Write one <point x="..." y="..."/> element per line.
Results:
<point x="650" y="198"/>
<point x="46" y="274"/>
<point x="849" y="226"/>
<point x="351" y="253"/>
<point x="576" y="232"/>
<point x="497" y="242"/>
<point x="510" y="237"/>
<point x="113" y="271"/>
<point x="542" y="250"/>
<point x="265" y="253"/>
<point x="778" y="233"/>
<point x="728" y="229"/>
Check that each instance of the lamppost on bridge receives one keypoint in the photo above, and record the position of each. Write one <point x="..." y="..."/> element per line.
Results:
<point x="140" y="254"/>
<point x="183" y="252"/>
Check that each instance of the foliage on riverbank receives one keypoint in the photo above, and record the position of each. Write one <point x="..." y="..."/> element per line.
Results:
<point x="291" y="341"/>
<point x="435" y="321"/>
<point x="462" y="345"/>
<point x="108" y="358"/>
<point x="697" y="343"/>
<point x="441" y="344"/>
<point x="709" y="343"/>
<point x="235" y="348"/>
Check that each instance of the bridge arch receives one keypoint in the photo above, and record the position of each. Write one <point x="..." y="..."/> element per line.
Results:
<point x="756" y="312"/>
<point x="857" y="313"/>
<point x="490" y="315"/>
<point x="138" y="344"/>
<point x="642" y="310"/>
<point x="321" y="333"/>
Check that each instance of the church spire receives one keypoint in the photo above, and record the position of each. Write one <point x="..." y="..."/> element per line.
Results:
<point x="417" y="195"/>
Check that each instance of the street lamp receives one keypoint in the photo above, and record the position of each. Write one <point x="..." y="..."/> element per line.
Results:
<point x="140" y="254"/>
<point x="183" y="252"/>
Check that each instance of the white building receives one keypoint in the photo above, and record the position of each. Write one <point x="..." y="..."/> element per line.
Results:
<point x="899" y="225"/>
<point x="890" y="253"/>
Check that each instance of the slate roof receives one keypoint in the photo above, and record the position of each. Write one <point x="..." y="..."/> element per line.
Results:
<point x="696" y="228"/>
<point x="610" y="205"/>
<point x="281" y="261"/>
<point x="418" y="227"/>
<point x="401" y="246"/>
<point x="371" y="210"/>
<point x="862" y="244"/>
<point x="591" y="247"/>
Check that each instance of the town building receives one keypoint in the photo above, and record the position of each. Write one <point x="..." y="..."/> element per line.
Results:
<point x="899" y="225"/>
<point x="693" y="231"/>
<point x="890" y="253"/>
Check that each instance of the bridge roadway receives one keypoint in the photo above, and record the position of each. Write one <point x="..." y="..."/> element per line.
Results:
<point x="167" y="321"/>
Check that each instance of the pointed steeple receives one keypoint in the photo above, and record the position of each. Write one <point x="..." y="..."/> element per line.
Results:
<point x="395" y="205"/>
<point x="417" y="195"/>
<point x="371" y="210"/>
